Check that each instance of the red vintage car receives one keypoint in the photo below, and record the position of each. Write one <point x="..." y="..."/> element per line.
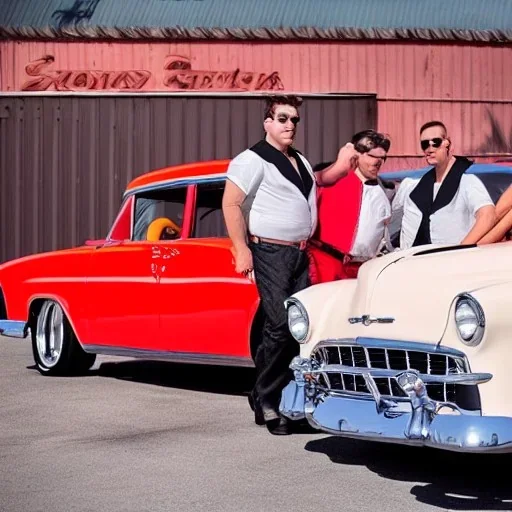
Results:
<point x="161" y="285"/>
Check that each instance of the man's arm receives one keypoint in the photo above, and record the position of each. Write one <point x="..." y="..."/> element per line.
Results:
<point x="498" y="232"/>
<point x="345" y="162"/>
<point x="504" y="204"/>
<point x="237" y="229"/>
<point x="485" y="221"/>
<point x="405" y="187"/>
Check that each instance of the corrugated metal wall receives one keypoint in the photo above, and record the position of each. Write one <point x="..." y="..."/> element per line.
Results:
<point x="65" y="160"/>
<point x="465" y="85"/>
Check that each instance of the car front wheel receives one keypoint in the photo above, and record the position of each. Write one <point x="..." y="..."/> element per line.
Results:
<point x="55" y="346"/>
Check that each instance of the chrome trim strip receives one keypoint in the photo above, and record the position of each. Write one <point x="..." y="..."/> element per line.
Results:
<point x="358" y="394"/>
<point x="418" y="421"/>
<point x="179" y="182"/>
<point x="14" y="328"/>
<point x="447" y="375"/>
<point x="357" y="419"/>
<point x="393" y="345"/>
<point x="449" y="378"/>
<point x="396" y="399"/>
<point x="175" y="357"/>
<point x="368" y="320"/>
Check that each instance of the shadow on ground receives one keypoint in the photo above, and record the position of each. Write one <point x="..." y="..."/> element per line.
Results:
<point x="224" y="380"/>
<point x="443" y="479"/>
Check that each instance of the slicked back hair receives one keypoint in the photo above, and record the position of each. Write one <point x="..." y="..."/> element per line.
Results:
<point x="367" y="140"/>
<point x="272" y="101"/>
<point x="430" y="124"/>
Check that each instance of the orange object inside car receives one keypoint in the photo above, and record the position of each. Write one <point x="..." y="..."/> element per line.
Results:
<point x="158" y="228"/>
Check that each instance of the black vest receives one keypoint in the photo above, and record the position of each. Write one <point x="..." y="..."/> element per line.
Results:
<point x="423" y="196"/>
<point x="302" y="180"/>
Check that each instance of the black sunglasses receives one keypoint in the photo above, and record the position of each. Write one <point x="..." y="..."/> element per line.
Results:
<point x="282" y="118"/>
<point x="383" y="158"/>
<point x="435" y="142"/>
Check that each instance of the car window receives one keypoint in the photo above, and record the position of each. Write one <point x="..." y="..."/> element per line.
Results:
<point x="496" y="183"/>
<point x="167" y="203"/>
<point x="208" y="218"/>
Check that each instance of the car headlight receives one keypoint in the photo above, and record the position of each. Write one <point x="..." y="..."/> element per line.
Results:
<point x="470" y="320"/>
<point x="298" y="321"/>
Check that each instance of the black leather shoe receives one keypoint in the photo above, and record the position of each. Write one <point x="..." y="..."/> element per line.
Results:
<point x="258" y="417"/>
<point x="258" y="413"/>
<point x="250" y="399"/>
<point x="279" y="427"/>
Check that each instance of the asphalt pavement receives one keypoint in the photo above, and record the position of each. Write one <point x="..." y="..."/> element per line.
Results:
<point x="137" y="436"/>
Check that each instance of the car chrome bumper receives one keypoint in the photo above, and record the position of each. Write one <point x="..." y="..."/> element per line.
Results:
<point x="14" y="328"/>
<point x="416" y="420"/>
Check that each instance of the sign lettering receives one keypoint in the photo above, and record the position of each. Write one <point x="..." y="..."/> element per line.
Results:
<point x="81" y="80"/>
<point x="181" y="76"/>
<point x="178" y="76"/>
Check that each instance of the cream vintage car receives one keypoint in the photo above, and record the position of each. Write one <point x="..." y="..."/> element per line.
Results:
<point x="416" y="350"/>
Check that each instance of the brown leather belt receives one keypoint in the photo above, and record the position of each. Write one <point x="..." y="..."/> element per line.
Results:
<point x="329" y="249"/>
<point x="258" y="239"/>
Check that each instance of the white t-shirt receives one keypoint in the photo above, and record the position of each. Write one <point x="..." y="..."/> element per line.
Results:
<point x="448" y="225"/>
<point x="274" y="207"/>
<point x="374" y="217"/>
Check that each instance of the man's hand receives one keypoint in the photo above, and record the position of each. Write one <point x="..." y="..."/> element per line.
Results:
<point x="348" y="157"/>
<point x="231" y="206"/>
<point x="243" y="262"/>
<point x="346" y="162"/>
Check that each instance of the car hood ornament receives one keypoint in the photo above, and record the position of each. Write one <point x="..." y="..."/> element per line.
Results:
<point x="368" y="320"/>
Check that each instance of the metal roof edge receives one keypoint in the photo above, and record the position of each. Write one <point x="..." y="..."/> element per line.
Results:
<point x="80" y="32"/>
<point x="191" y="93"/>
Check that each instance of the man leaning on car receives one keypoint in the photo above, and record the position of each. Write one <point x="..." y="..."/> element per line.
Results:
<point x="270" y="210"/>
<point x="446" y="205"/>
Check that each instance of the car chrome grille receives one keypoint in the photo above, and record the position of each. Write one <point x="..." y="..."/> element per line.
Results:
<point x="433" y="363"/>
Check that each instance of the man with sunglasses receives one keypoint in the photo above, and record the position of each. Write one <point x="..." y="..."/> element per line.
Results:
<point x="270" y="210"/>
<point x="353" y="213"/>
<point x="446" y="205"/>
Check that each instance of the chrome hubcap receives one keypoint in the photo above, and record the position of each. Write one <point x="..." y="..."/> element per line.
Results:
<point x="50" y="333"/>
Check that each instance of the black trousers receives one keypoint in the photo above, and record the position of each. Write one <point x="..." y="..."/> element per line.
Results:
<point x="280" y="271"/>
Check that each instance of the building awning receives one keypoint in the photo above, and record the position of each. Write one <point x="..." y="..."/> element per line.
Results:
<point x="265" y="20"/>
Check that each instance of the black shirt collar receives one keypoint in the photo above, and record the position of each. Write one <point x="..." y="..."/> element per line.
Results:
<point x="302" y="180"/>
<point x="423" y="195"/>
